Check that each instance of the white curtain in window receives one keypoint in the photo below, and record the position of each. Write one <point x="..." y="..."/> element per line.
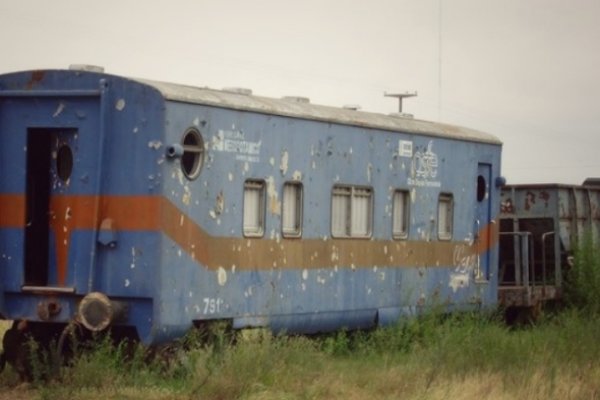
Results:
<point x="400" y="214"/>
<point x="291" y="209"/>
<point x="252" y="219"/>
<point x="361" y="212"/>
<point x="340" y="212"/>
<point x="445" y="217"/>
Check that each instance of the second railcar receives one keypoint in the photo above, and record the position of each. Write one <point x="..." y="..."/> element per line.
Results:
<point x="540" y="225"/>
<point x="130" y="203"/>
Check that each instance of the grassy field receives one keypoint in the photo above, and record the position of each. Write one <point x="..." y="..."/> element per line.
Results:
<point x="464" y="357"/>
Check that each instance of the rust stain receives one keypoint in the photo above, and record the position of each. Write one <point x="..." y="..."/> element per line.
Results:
<point x="545" y="196"/>
<point x="12" y="211"/>
<point x="488" y="237"/>
<point x="529" y="200"/>
<point x="36" y="77"/>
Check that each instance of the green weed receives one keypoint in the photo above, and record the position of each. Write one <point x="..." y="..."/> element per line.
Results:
<point x="583" y="279"/>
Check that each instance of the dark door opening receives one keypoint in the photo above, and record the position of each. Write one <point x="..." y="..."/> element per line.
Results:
<point x="39" y="143"/>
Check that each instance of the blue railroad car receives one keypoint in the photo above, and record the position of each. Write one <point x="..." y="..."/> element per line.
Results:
<point x="155" y="206"/>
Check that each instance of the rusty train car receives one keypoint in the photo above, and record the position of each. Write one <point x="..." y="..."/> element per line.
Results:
<point x="153" y="207"/>
<point x="539" y="225"/>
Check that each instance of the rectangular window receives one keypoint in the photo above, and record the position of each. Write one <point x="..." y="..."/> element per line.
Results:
<point x="445" y="216"/>
<point x="351" y="211"/>
<point x="254" y="208"/>
<point x="400" y="214"/>
<point x="292" y="209"/>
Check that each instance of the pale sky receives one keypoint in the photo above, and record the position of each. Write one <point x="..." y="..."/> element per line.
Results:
<point x="526" y="71"/>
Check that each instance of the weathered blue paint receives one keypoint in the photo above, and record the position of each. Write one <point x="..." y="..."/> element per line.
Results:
<point x="120" y="130"/>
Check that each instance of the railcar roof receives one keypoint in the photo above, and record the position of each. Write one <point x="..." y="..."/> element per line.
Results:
<point x="290" y="108"/>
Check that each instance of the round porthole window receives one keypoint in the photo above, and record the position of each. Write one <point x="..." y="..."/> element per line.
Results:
<point x="193" y="153"/>
<point x="64" y="162"/>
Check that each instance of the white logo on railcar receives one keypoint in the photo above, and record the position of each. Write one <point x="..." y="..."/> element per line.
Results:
<point x="233" y="141"/>
<point x="424" y="168"/>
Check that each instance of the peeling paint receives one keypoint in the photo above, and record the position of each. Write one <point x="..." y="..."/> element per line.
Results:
<point x="230" y="177"/>
<point x="283" y="165"/>
<point x="297" y="176"/>
<point x="274" y="203"/>
<point x="305" y="274"/>
<point x="221" y="276"/>
<point x="335" y="255"/>
<point x="155" y="144"/>
<point x="187" y="196"/>
<point x="59" y="109"/>
<point x="458" y="281"/>
<point x="120" y="105"/>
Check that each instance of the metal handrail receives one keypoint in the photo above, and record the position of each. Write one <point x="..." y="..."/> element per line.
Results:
<point x="523" y="255"/>
<point x="544" y="236"/>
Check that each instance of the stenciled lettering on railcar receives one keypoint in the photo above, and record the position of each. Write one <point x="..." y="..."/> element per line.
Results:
<point x="424" y="168"/>
<point x="233" y="141"/>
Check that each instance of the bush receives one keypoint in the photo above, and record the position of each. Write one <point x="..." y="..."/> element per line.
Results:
<point x="583" y="279"/>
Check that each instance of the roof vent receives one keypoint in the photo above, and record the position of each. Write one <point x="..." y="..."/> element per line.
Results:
<point x="297" y="99"/>
<point x="86" y="67"/>
<point x="238" y="90"/>
<point x="401" y="115"/>
<point x="353" y="107"/>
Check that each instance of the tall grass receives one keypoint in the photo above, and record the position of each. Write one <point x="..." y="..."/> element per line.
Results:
<point x="458" y="356"/>
<point x="583" y="279"/>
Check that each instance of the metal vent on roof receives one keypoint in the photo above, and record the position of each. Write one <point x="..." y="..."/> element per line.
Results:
<point x="238" y="90"/>
<point x="353" y="107"/>
<point x="297" y="99"/>
<point x="86" y="67"/>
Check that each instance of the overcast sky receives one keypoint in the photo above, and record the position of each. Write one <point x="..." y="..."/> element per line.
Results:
<point x="526" y="71"/>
